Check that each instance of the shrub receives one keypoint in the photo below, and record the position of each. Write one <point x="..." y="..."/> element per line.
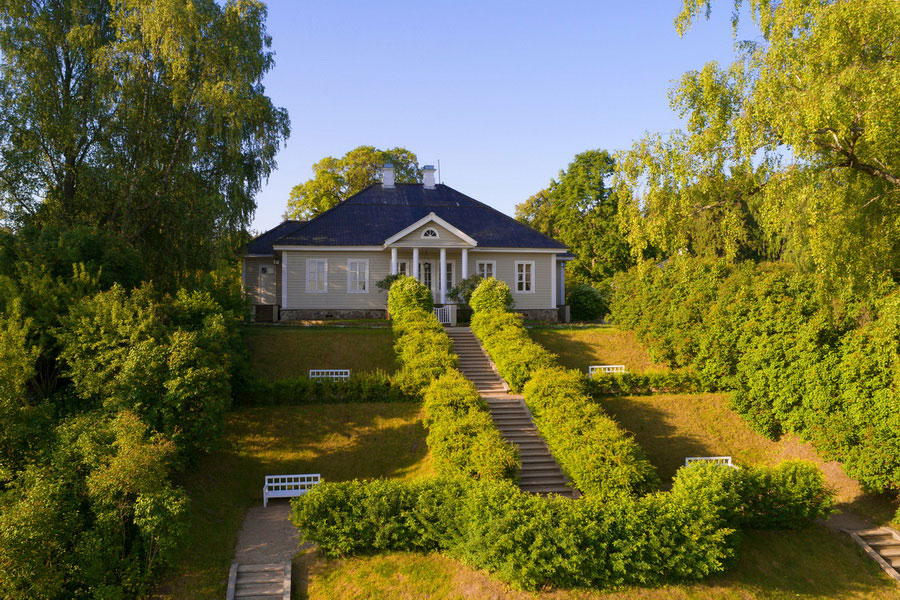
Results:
<point x="588" y="303"/>
<point x="599" y="457"/>
<point x="491" y="295"/>
<point x="506" y="340"/>
<point x="424" y="350"/>
<point x="408" y="295"/>
<point x="462" y="291"/>
<point x="528" y="541"/>
<point x="649" y="382"/>
<point x="462" y="437"/>
<point x="828" y="371"/>
<point x="361" y="387"/>
<point x="386" y="283"/>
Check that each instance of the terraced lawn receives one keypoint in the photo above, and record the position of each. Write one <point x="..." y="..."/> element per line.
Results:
<point x="288" y="351"/>
<point x="580" y="347"/>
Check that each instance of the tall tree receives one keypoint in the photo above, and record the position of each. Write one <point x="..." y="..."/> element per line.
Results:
<point x="143" y="118"/>
<point x="336" y="179"/>
<point x="791" y="151"/>
<point x="579" y="209"/>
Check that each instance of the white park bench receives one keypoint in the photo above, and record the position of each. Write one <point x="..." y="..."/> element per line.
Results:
<point x="288" y="486"/>
<point x="606" y="369"/>
<point x="332" y="374"/>
<point x="724" y="461"/>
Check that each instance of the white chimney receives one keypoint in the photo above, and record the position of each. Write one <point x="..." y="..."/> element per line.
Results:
<point x="428" y="176"/>
<point x="387" y="175"/>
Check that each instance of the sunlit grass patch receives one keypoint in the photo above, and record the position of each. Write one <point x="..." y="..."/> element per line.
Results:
<point x="580" y="347"/>
<point x="286" y="351"/>
<point x="340" y="441"/>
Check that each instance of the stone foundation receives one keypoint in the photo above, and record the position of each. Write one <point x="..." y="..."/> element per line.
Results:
<point x="550" y="315"/>
<point x="316" y="314"/>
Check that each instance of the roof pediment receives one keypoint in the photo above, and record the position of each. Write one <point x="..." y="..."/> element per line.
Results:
<point x="462" y="238"/>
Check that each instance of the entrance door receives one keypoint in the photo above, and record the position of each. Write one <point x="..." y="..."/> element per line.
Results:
<point x="265" y="290"/>
<point x="428" y="276"/>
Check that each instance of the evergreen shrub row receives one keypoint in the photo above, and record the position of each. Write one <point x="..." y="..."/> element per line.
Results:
<point x="377" y="386"/>
<point x="534" y="542"/>
<point x="593" y="451"/>
<point x="828" y="371"/>
<point x="649" y="382"/>
<point x="462" y="438"/>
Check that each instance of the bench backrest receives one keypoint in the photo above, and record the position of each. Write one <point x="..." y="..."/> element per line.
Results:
<point x="725" y="461"/>
<point x="333" y="374"/>
<point x="608" y="369"/>
<point x="288" y="486"/>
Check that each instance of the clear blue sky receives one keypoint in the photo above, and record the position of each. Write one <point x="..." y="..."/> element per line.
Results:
<point x="504" y="94"/>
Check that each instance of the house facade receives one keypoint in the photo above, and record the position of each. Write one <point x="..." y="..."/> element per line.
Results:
<point x="327" y="267"/>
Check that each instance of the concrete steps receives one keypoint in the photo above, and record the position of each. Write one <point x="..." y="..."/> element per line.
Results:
<point x="259" y="582"/>
<point x="883" y="546"/>
<point x="540" y="472"/>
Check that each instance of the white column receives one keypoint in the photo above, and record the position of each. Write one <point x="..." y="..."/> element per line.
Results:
<point x="552" y="281"/>
<point x="561" y="273"/>
<point x="464" y="271"/>
<point x="443" y="287"/>
<point x="415" y="264"/>
<point x="393" y="261"/>
<point x="284" y="279"/>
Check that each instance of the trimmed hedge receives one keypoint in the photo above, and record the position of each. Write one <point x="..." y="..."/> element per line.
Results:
<point x="526" y="540"/>
<point x="505" y="338"/>
<point x="363" y="387"/>
<point x="406" y="294"/>
<point x="598" y="456"/>
<point x="829" y="372"/>
<point x="491" y="294"/>
<point x="649" y="382"/>
<point x="462" y="437"/>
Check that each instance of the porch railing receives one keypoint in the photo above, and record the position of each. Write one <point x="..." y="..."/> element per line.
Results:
<point x="443" y="314"/>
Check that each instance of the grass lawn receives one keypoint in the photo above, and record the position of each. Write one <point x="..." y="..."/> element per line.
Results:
<point x="580" y="347"/>
<point x="286" y="351"/>
<point x="340" y="441"/>
<point x="813" y="563"/>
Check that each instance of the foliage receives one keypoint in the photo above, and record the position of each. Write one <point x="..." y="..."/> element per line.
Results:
<point x="817" y="184"/>
<point x="462" y="437"/>
<point x="599" y="457"/>
<point x="336" y="179"/>
<point x="526" y="540"/>
<point x="580" y="210"/>
<point x="588" y="302"/>
<point x="828" y="372"/>
<point x="148" y="122"/>
<point x="463" y="290"/>
<point x="423" y="349"/>
<point x="649" y="382"/>
<point x="507" y="342"/>
<point x="361" y="387"/>
<point x="386" y="283"/>
<point x="407" y="294"/>
<point x="491" y="294"/>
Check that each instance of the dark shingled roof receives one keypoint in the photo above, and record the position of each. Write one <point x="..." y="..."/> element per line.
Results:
<point x="262" y="244"/>
<point x="376" y="213"/>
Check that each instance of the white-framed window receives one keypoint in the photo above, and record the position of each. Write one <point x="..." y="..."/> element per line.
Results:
<point x="525" y="277"/>
<point x="430" y="234"/>
<point x="426" y="272"/>
<point x="451" y="271"/>
<point x="316" y="275"/>
<point x="403" y="267"/>
<point x="357" y="275"/>
<point x="486" y="268"/>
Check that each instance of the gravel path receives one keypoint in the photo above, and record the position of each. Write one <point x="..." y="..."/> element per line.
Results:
<point x="267" y="536"/>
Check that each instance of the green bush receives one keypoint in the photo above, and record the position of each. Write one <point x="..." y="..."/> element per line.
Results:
<point x="528" y="541"/>
<point x="789" y="496"/>
<point x="462" y="291"/>
<point x="361" y="387"/>
<point x="408" y="295"/>
<point x="649" y="382"/>
<point x="828" y="371"/>
<point x="507" y="341"/>
<point x="424" y="350"/>
<point x="491" y="295"/>
<point x="462" y="438"/>
<point x="588" y="303"/>
<point x="598" y="456"/>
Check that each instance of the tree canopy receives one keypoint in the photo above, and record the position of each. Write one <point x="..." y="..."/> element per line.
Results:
<point x="790" y="152"/>
<point x="336" y="179"/>
<point x="146" y="119"/>
<point x="580" y="210"/>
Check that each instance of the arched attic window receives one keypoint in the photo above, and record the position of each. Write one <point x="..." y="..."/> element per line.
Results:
<point x="430" y="233"/>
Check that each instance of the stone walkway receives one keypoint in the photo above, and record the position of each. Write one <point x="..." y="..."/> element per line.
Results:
<point x="267" y="536"/>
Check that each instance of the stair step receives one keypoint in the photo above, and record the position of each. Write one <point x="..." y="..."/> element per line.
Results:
<point x="528" y="473"/>
<point x="257" y="568"/>
<point x="890" y="551"/>
<point x="248" y="577"/>
<point x="883" y="543"/>
<point x="258" y="589"/>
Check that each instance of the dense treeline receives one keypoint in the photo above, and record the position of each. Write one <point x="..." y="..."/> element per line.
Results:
<point x="829" y="372"/>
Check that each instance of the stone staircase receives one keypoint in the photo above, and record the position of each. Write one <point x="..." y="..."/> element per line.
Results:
<point x="540" y="472"/>
<point x="883" y="546"/>
<point x="259" y="582"/>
